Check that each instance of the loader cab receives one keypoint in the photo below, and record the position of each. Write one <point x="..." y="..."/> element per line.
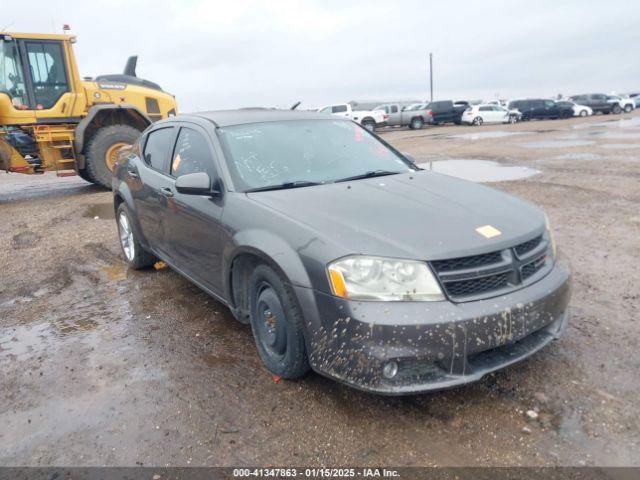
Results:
<point x="37" y="78"/>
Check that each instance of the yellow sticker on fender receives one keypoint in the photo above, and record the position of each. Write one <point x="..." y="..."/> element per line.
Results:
<point x="488" y="231"/>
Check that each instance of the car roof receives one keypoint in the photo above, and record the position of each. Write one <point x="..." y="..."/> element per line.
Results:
<point x="226" y="118"/>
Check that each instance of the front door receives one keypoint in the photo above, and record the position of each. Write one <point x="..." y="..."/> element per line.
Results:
<point x="151" y="186"/>
<point x="194" y="231"/>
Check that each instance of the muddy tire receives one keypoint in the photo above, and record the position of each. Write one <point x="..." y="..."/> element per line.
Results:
<point x="277" y="324"/>
<point x="84" y="174"/>
<point x="102" y="145"/>
<point x="135" y="255"/>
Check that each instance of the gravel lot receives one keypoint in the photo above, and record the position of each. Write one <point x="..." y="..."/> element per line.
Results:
<point x="100" y="365"/>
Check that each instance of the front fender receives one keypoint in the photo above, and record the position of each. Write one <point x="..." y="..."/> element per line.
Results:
<point x="270" y="247"/>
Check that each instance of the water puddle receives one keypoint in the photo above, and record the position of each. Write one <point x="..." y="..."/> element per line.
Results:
<point x="556" y="143"/>
<point x="67" y="327"/>
<point x="621" y="145"/>
<point x="102" y="211"/>
<point x="579" y="156"/>
<point x="480" y="170"/>
<point x="116" y="272"/>
<point x="612" y="123"/>
<point x="489" y="134"/>
<point x="21" y="341"/>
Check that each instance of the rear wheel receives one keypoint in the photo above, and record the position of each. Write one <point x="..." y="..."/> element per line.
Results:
<point x="583" y="113"/>
<point x="102" y="151"/>
<point x="627" y="108"/>
<point x="369" y="124"/>
<point x="513" y="119"/>
<point x="416" y="124"/>
<point x="277" y="324"/>
<point x="477" y="121"/>
<point x="135" y="255"/>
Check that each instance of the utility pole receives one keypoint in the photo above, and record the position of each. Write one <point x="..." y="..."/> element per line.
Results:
<point x="431" y="74"/>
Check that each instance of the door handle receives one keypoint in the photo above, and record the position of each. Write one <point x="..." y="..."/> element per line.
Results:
<point x="166" y="191"/>
<point x="132" y="172"/>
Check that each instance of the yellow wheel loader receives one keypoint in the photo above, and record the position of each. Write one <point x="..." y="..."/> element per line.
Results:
<point x="52" y="120"/>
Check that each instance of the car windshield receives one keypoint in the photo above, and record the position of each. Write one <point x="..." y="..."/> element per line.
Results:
<point x="305" y="152"/>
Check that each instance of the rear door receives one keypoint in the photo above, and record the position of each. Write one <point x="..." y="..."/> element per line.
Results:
<point x="395" y="115"/>
<point x="486" y="112"/>
<point x="551" y="110"/>
<point x="193" y="223"/>
<point x="599" y="102"/>
<point x="152" y="186"/>
<point x="536" y="108"/>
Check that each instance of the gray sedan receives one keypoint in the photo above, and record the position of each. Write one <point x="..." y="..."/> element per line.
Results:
<point x="343" y="255"/>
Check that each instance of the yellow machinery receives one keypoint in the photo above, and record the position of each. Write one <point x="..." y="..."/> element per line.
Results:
<point x="51" y="119"/>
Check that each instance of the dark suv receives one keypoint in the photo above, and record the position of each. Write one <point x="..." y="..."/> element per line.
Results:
<point x="598" y="102"/>
<point x="304" y="225"/>
<point x="444" y="111"/>
<point x="541" y="108"/>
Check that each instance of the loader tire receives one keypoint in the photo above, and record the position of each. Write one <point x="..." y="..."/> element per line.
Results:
<point x="102" y="148"/>
<point x="84" y="174"/>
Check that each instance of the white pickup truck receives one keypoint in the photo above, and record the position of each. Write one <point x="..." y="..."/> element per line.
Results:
<point x="369" y="119"/>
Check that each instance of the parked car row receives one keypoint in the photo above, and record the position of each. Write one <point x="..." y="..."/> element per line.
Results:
<point x="416" y="115"/>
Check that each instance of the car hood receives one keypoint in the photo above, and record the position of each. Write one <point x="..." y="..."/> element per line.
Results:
<point x="421" y="215"/>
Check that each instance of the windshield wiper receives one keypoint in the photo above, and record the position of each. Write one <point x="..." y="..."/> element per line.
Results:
<point x="284" y="186"/>
<point x="371" y="174"/>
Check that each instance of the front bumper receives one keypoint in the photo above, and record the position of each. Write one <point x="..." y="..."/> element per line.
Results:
<point x="436" y="345"/>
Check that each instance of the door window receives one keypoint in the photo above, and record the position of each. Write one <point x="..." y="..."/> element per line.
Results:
<point x="485" y="109"/>
<point x="394" y="109"/>
<point x="192" y="154"/>
<point x="549" y="103"/>
<point x="338" y="109"/>
<point x="11" y="75"/>
<point x="157" y="148"/>
<point x="48" y="72"/>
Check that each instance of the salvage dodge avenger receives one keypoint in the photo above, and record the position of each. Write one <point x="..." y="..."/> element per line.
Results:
<point x="343" y="255"/>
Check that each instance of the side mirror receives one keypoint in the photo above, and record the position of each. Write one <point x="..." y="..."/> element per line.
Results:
<point x="197" y="183"/>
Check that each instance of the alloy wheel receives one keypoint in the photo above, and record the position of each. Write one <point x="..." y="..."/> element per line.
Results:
<point x="126" y="237"/>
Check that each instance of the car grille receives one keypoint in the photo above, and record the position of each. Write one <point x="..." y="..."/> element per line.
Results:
<point x="494" y="273"/>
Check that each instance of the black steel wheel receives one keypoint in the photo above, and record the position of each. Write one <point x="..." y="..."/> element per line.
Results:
<point x="277" y="324"/>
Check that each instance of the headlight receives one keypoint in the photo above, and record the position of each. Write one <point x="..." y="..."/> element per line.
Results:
<point x="552" y="240"/>
<point x="387" y="279"/>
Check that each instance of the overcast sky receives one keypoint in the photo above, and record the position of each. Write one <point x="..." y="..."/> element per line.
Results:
<point x="214" y="55"/>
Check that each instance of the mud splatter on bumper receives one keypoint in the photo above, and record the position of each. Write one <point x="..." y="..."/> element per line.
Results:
<point x="436" y="345"/>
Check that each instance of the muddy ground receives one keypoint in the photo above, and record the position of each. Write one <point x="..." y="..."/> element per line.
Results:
<point x="100" y="365"/>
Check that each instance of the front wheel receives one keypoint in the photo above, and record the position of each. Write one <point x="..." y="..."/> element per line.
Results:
<point x="583" y="113"/>
<point x="513" y="119"/>
<point x="627" y="108"/>
<point x="135" y="255"/>
<point x="277" y="324"/>
<point x="617" y="110"/>
<point x="477" y="121"/>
